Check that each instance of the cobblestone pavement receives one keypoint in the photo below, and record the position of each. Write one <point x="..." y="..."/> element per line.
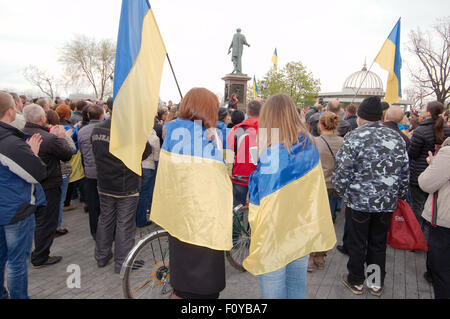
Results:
<point x="404" y="279"/>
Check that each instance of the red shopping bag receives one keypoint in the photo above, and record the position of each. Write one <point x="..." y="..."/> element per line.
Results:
<point x="405" y="232"/>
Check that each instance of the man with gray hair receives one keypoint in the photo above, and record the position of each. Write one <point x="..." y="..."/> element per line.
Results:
<point x="54" y="148"/>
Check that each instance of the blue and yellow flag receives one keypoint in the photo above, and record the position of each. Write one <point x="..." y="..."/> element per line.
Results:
<point x="193" y="196"/>
<point x="255" y="88"/>
<point x="140" y="61"/>
<point x="390" y="59"/>
<point x="290" y="215"/>
<point x="275" y="61"/>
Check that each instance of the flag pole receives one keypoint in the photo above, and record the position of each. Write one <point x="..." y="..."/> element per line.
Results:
<point x="174" y="76"/>
<point x="359" y="89"/>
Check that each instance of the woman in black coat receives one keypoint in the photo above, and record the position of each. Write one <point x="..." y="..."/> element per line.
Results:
<point x="428" y="137"/>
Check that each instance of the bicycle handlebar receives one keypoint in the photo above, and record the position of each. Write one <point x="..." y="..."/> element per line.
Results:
<point x="241" y="179"/>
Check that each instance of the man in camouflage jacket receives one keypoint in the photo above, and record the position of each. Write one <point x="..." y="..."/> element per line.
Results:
<point x="371" y="174"/>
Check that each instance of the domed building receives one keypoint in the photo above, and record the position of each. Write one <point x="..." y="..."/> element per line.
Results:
<point x="359" y="86"/>
<point x="369" y="82"/>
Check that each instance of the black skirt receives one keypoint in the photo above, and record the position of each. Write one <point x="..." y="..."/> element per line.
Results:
<point x="196" y="272"/>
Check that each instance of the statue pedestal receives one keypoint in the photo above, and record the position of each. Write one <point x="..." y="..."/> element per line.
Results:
<point x="236" y="84"/>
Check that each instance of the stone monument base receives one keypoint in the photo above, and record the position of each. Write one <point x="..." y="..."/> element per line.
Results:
<point x="236" y="84"/>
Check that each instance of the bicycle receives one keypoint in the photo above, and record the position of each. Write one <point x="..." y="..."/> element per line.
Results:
<point x="146" y="272"/>
<point x="241" y="233"/>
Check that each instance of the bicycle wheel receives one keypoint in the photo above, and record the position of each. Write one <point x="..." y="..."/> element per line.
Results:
<point x="145" y="273"/>
<point x="241" y="239"/>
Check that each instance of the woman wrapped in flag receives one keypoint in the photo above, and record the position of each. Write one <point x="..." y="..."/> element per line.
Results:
<point x="289" y="209"/>
<point x="193" y="198"/>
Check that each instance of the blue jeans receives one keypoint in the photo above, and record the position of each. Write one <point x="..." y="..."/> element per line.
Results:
<point x="64" y="187"/>
<point x="146" y="196"/>
<point x="16" y="242"/>
<point x="335" y="203"/>
<point x="287" y="283"/>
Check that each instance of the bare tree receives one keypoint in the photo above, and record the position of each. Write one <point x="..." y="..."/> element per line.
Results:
<point x="433" y="73"/>
<point x="41" y="79"/>
<point x="89" y="60"/>
<point x="419" y="96"/>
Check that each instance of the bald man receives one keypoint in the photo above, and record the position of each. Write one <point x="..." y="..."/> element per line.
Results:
<point x="394" y="116"/>
<point x="21" y="172"/>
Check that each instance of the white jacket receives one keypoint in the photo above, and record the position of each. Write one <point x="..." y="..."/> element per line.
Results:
<point x="149" y="163"/>
<point x="436" y="178"/>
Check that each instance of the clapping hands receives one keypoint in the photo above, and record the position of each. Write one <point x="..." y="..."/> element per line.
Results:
<point x="35" y="143"/>
<point x="59" y="131"/>
<point x="430" y="158"/>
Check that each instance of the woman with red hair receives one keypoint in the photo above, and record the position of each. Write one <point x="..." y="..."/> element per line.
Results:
<point x="193" y="199"/>
<point x="65" y="113"/>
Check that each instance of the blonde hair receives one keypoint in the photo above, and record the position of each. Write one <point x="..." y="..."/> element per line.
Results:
<point x="279" y="116"/>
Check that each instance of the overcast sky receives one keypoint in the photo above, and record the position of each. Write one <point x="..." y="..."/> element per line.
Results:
<point x="331" y="38"/>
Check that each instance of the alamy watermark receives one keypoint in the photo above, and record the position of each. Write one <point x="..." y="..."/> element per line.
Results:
<point x="74" y="279"/>
<point x="373" y="276"/>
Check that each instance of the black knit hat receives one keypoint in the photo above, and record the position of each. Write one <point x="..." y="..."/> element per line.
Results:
<point x="371" y="110"/>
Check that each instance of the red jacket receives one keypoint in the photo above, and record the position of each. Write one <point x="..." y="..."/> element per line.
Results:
<point x="243" y="141"/>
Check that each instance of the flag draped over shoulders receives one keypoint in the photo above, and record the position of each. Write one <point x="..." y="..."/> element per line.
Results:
<point x="140" y="61"/>
<point x="193" y="196"/>
<point x="390" y="59"/>
<point x="290" y="215"/>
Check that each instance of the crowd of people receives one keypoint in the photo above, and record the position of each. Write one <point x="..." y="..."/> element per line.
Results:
<point x="285" y="163"/>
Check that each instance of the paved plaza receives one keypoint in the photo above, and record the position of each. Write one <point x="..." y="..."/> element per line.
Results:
<point x="404" y="279"/>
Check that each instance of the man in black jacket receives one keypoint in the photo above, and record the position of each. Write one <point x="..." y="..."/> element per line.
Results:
<point x="312" y="117"/>
<point x="54" y="149"/>
<point x="351" y="117"/>
<point x="119" y="189"/>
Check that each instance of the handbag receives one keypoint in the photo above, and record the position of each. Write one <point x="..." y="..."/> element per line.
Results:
<point x="405" y="232"/>
<point x="331" y="192"/>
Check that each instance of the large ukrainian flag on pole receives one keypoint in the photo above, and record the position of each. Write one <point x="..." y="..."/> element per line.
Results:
<point x="290" y="215"/>
<point x="390" y="59"/>
<point x="139" y="65"/>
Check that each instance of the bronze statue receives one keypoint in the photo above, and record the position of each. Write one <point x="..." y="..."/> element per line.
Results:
<point x="237" y="48"/>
